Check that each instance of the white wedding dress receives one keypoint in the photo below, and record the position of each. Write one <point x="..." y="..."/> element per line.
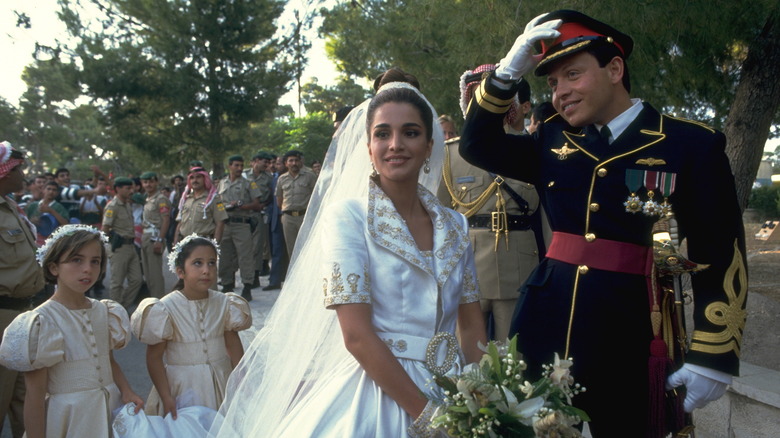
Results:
<point x="382" y="266"/>
<point x="297" y="379"/>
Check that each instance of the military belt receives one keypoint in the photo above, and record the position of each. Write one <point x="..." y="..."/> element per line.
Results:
<point x="21" y="304"/>
<point x="514" y="222"/>
<point x="294" y="212"/>
<point x="240" y="220"/>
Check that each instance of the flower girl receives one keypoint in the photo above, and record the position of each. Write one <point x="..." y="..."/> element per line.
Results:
<point x="64" y="345"/>
<point x="191" y="333"/>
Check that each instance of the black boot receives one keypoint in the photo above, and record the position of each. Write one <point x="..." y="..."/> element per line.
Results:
<point x="256" y="282"/>
<point x="247" y="292"/>
<point x="228" y="287"/>
<point x="266" y="269"/>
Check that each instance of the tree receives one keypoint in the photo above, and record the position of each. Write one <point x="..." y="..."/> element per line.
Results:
<point x="311" y="134"/>
<point x="713" y="61"/>
<point x="317" y="98"/>
<point x="182" y="79"/>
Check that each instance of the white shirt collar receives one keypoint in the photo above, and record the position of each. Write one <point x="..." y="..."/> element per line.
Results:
<point x="621" y="122"/>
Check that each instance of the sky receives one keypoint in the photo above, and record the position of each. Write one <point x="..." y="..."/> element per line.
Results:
<point x="17" y="46"/>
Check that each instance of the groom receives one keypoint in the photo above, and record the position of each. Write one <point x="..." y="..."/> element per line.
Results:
<point x="607" y="168"/>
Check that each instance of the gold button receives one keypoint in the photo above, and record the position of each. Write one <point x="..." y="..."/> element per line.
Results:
<point x="582" y="269"/>
<point x="590" y="237"/>
<point x="463" y="187"/>
<point x="602" y="172"/>
<point x="551" y="183"/>
<point x="594" y="207"/>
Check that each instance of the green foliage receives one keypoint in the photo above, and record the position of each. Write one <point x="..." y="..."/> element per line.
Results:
<point x="183" y="80"/>
<point x="317" y="98"/>
<point x="311" y="134"/>
<point x="686" y="59"/>
<point x="766" y="200"/>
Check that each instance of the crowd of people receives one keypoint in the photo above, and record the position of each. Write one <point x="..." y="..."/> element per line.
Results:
<point x="400" y="253"/>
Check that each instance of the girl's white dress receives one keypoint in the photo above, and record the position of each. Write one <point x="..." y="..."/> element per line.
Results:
<point x="74" y="345"/>
<point x="196" y="360"/>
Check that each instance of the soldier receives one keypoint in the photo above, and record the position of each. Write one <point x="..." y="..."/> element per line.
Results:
<point x="293" y="191"/>
<point x="607" y="167"/>
<point x="260" y="176"/>
<point x="201" y="210"/>
<point x="241" y="198"/>
<point x="156" y="221"/>
<point x="20" y="277"/>
<point x="118" y="224"/>
<point x="504" y="221"/>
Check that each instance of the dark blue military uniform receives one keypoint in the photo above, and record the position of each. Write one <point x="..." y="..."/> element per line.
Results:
<point x="601" y="318"/>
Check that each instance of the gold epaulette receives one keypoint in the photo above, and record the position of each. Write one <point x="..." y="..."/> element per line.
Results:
<point x="692" y="122"/>
<point x="452" y="140"/>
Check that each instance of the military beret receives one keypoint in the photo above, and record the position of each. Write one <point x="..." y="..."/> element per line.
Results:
<point x="579" y="32"/>
<point x="122" y="181"/>
<point x="262" y="155"/>
<point x="148" y="175"/>
<point x="233" y="158"/>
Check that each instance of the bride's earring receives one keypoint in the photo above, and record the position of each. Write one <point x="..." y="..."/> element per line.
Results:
<point x="374" y="173"/>
<point x="427" y="167"/>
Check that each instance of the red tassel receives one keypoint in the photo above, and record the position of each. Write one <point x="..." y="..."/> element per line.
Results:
<point x="657" y="367"/>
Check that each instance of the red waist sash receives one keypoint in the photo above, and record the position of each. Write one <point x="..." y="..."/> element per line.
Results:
<point x="603" y="254"/>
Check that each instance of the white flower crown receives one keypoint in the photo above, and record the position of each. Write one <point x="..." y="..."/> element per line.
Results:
<point x="176" y="250"/>
<point x="66" y="230"/>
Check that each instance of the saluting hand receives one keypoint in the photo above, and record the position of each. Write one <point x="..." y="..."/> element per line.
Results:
<point x="521" y="59"/>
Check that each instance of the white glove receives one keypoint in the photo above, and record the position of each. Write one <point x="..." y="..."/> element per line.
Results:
<point x="521" y="59"/>
<point x="700" y="388"/>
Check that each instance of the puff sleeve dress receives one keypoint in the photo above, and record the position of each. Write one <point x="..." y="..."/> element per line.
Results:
<point x="196" y="361"/>
<point x="75" y="346"/>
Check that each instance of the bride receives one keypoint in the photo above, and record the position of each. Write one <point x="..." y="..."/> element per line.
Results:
<point x="383" y="276"/>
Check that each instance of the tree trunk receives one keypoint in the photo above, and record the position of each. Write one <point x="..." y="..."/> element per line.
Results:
<point x="755" y="104"/>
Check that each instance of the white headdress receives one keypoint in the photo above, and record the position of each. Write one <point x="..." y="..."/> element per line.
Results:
<point x="301" y="339"/>
<point x="176" y="250"/>
<point x="62" y="231"/>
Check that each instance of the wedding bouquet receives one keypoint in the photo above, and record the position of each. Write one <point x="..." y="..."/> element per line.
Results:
<point x="491" y="399"/>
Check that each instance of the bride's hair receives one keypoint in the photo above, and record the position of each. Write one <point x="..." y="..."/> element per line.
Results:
<point x="401" y="95"/>
<point x="395" y="74"/>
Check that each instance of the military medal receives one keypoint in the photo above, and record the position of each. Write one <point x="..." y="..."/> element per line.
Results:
<point x="634" y="182"/>
<point x="651" y="207"/>
<point x="667" y="184"/>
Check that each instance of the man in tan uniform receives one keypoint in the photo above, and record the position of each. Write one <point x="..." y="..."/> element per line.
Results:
<point x="293" y="191"/>
<point x="156" y="220"/>
<point x="20" y="277"/>
<point x="201" y="210"/>
<point x="241" y="198"/>
<point x="119" y="225"/>
<point x="500" y="212"/>
<point x="259" y="175"/>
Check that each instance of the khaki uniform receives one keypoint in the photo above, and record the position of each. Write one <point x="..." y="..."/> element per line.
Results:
<point x="124" y="260"/>
<point x="191" y="217"/>
<point x="237" y="244"/>
<point x="20" y="279"/>
<point x="503" y="260"/>
<point x="295" y="193"/>
<point x="156" y="208"/>
<point x="260" y="235"/>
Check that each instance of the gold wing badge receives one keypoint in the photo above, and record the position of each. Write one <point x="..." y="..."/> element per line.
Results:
<point x="564" y="151"/>
<point x="651" y="161"/>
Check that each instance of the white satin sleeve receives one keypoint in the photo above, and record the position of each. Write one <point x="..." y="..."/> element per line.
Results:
<point x="151" y="322"/>
<point x="238" y="315"/>
<point x="32" y="341"/>
<point x="118" y="325"/>
<point x="344" y="269"/>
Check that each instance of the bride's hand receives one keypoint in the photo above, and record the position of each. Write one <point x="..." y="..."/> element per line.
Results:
<point x="169" y="406"/>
